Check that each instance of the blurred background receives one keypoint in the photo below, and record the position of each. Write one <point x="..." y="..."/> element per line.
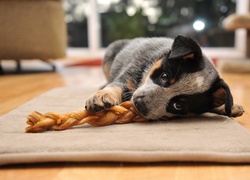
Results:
<point x="118" y="19"/>
<point x="80" y="30"/>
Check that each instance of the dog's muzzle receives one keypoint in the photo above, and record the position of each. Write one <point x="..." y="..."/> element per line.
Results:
<point x="140" y="105"/>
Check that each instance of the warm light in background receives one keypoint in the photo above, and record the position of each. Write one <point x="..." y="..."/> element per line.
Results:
<point x="198" y="25"/>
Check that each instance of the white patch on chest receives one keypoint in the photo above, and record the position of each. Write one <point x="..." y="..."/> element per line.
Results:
<point x="199" y="81"/>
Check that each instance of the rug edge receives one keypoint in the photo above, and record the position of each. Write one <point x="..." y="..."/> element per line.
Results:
<point x="126" y="156"/>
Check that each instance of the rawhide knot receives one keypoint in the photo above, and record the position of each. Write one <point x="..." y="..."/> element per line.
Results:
<point x="123" y="113"/>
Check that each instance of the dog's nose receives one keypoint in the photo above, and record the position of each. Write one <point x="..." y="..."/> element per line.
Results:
<point x="140" y="105"/>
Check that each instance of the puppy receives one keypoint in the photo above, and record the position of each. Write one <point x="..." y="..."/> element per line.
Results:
<point x="163" y="78"/>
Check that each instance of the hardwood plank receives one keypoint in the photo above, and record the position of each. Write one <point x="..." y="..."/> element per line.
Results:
<point x="15" y="90"/>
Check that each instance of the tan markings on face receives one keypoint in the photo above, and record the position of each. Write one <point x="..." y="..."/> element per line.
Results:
<point x="172" y="81"/>
<point x="154" y="67"/>
<point x="130" y="85"/>
<point x="189" y="56"/>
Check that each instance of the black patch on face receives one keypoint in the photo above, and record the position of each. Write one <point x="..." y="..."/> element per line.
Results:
<point x="164" y="76"/>
<point x="184" y="57"/>
<point x="157" y="77"/>
<point x="184" y="104"/>
<point x="172" y="69"/>
<point x="197" y="103"/>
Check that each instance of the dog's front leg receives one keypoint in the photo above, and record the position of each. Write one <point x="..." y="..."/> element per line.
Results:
<point x="105" y="98"/>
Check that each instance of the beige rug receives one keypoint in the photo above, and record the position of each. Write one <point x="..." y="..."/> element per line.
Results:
<point x="208" y="138"/>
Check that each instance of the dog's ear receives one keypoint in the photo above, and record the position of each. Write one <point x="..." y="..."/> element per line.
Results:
<point x="221" y="96"/>
<point x="185" y="48"/>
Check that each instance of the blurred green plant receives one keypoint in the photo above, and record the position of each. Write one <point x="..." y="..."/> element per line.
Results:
<point x="121" y="26"/>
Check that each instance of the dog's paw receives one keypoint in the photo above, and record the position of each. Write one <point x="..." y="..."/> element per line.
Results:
<point x="103" y="99"/>
<point x="237" y="110"/>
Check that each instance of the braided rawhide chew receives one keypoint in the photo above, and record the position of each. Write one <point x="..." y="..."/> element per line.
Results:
<point x="123" y="113"/>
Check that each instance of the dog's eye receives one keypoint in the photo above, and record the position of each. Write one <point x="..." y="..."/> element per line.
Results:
<point x="178" y="106"/>
<point x="164" y="78"/>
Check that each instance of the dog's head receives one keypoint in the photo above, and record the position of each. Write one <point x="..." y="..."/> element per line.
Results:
<point x="182" y="83"/>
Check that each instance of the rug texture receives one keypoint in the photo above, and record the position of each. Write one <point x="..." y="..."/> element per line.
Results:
<point x="207" y="138"/>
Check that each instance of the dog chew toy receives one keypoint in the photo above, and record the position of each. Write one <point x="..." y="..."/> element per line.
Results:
<point x="123" y="113"/>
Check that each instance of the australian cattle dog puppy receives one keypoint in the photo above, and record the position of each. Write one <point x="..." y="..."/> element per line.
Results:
<point x="163" y="77"/>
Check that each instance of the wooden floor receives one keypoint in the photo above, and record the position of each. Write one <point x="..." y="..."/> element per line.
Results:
<point x="18" y="89"/>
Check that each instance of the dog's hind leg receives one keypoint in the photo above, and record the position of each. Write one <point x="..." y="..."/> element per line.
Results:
<point x="112" y="50"/>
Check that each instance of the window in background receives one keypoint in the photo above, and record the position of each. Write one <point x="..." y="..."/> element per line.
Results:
<point x="200" y="19"/>
<point x="93" y="24"/>
<point x="76" y="19"/>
